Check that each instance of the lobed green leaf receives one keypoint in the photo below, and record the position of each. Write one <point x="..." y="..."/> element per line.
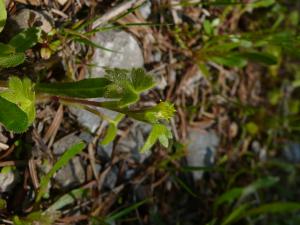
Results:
<point x="12" y="60"/>
<point x="20" y="92"/>
<point x="159" y="133"/>
<point x="12" y="117"/>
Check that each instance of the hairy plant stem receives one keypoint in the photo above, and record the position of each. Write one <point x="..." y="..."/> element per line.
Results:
<point x="111" y="105"/>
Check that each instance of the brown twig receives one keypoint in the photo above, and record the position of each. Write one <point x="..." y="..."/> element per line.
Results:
<point x="116" y="11"/>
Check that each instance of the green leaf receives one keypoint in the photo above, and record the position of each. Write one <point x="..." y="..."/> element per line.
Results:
<point x="162" y="111"/>
<point x="274" y="207"/>
<point x="3" y="204"/>
<point x="12" y="60"/>
<point x="111" y="132"/>
<point x="25" y="39"/>
<point x="229" y="196"/>
<point x="12" y="117"/>
<point x="118" y="215"/>
<point x="3" y="14"/>
<point x="242" y="192"/>
<point x="262" y="3"/>
<point x="127" y="85"/>
<point x="37" y="217"/>
<point x="233" y="60"/>
<point x="20" y="92"/>
<point x="160" y="133"/>
<point x="260" y="57"/>
<point x="121" y="85"/>
<point x="236" y="214"/>
<point x="252" y="128"/>
<point x="141" y="81"/>
<point x="88" y="88"/>
<point x="67" y="199"/>
<point x="6" y="49"/>
<point x="64" y="159"/>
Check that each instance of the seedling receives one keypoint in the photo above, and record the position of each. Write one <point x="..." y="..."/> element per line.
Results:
<point x="121" y="88"/>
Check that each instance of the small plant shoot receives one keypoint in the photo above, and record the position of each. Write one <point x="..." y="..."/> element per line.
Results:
<point x="120" y="88"/>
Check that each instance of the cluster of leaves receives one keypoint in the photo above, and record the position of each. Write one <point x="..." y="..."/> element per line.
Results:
<point x="120" y="86"/>
<point x="236" y="50"/>
<point x="13" y="53"/>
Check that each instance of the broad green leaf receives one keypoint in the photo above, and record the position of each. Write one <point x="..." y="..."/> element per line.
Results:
<point x="25" y="39"/>
<point x="12" y="60"/>
<point x="64" y="159"/>
<point x="20" y="92"/>
<point x="88" y="88"/>
<point x="3" y="14"/>
<point x="6" y="49"/>
<point x="12" y="117"/>
<point x="160" y="133"/>
<point x="121" y="85"/>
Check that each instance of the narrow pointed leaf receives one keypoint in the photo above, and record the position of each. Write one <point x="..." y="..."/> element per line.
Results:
<point x="65" y="158"/>
<point x="260" y="57"/>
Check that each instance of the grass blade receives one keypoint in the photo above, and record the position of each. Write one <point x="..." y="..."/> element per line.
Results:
<point x="65" y="158"/>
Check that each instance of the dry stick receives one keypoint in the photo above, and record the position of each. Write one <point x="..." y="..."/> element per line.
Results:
<point x="116" y="11"/>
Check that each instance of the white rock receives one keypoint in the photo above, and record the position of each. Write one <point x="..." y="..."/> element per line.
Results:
<point x="71" y="175"/>
<point x="62" y="2"/>
<point x="36" y="18"/>
<point x="201" y="150"/>
<point x="135" y="140"/>
<point x="8" y="180"/>
<point x="90" y="120"/>
<point x="63" y="144"/>
<point x="145" y="10"/>
<point x="126" y="52"/>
